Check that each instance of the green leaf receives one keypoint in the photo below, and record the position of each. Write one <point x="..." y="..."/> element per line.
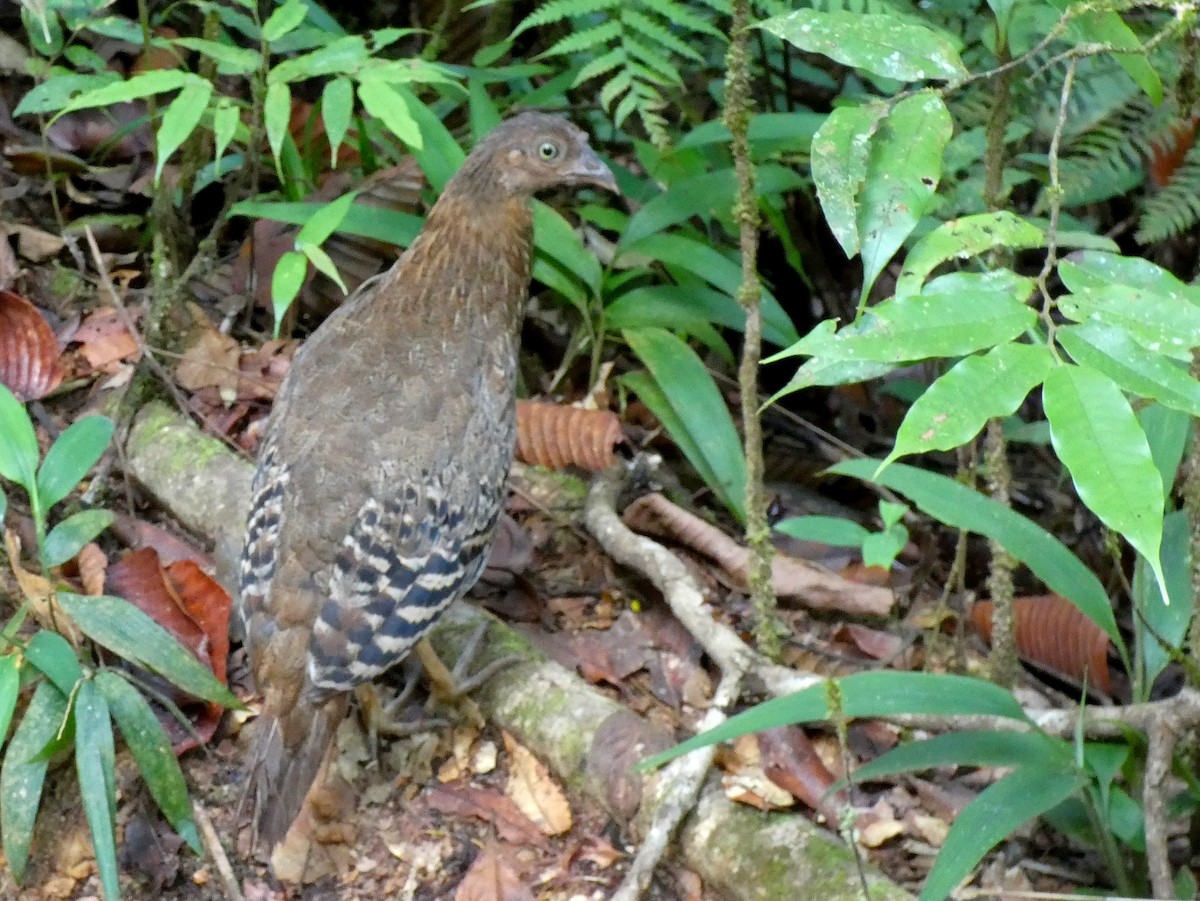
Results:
<point x="24" y="772"/>
<point x="956" y="407"/>
<point x="152" y="751"/>
<point x="230" y="59"/>
<point x="996" y="813"/>
<point x="337" y="105"/>
<point x="1164" y="621"/>
<point x="703" y="428"/>
<point x="137" y="87"/>
<point x="1100" y="441"/>
<point x="882" y="548"/>
<point x="226" y="119"/>
<point x="902" y="177"/>
<point x="438" y="153"/>
<point x="827" y="529"/>
<point x="10" y="686"/>
<point x="128" y="632"/>
<point x="68" y="537"/>
<point x="53" y="655"/>
<point x="961" y="507"/>
<point x="1111" y="350"/>
<point x="284" y="19"/>
<point x="384" y="102"/>
<point x="878" y="43"/>
<point x="391" y="226"/>
<point x="675" y="307"/>
<point x="94" y="762"/>
<point x="971" y="748"/>
<point x="57" y="91"/>
<point x="1109" y="29"/>
<point x="881" y="693"/>
<point x="18" y="443"/>
<point x="966" y="237"/>
<point x="841" y="149"/>
<point x="277" y="111"/>
<point x="71" y="456"/>
<point x="553" y="236"/>
<point x="323" y="263"/>
<point x="286" y="282"/>
<point x="179" y="121"/>
<point x="327" y="220"/>
<point x="956" y="315"/>
<point x="342" y="56"/>
<point x="1093" y="269"/>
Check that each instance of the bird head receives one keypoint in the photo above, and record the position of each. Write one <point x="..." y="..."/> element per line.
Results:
<point x="533" y="152"/>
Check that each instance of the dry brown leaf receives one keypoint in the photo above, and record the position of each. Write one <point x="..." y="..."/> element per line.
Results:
<point x="534" y="791"/>
<point x="39" y="591"/>
<point x="490" y="806"/>
<point x="34" y="244"/>
<point x="29" y="363"/>
<point x="104" y="340"/>
<point x="492" y="879"/>
<point x="557" y="436"/>
<point x="92" y="564"/>
<point x="813" y="586"/>
<point x="791" y="762"/>
<point x="211" y="362"/>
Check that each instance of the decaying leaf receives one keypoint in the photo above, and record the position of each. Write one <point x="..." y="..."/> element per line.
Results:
<point x="29" y="356"/>
<point x="557" y="436"/>
<point x="492" y="878"/>
<point x="534" y="790"/>
<point x="39" y="591"/>
<point x="104" y="340"/>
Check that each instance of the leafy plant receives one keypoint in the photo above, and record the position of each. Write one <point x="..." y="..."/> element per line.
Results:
<point x="77" y="697"/>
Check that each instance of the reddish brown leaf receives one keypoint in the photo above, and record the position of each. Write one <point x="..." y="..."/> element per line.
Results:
<point x="92" y="568"/>
<point x="211" y="361"/>
<point x="137" y="533"/>
<point x="104" y="339"/>
<point x="791" y="762"/>
<point x="557" y="436"/>
<point x="490" y="806"/>
<point x="29" y="363"/>
<point x="1054" y="635"/>
<point x="491" y="878"/>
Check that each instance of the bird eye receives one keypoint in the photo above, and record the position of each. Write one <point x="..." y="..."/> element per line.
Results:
<point x="548" y="150"/>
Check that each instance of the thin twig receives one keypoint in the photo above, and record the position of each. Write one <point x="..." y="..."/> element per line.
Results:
<point x="212" y="844"/>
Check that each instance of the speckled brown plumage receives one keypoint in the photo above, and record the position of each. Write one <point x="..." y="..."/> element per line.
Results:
<point x="381" y="475"/>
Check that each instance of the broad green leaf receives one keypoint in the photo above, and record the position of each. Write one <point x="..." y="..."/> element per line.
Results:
<point x="337" y="106"/>
<point x="67" y="538"/>
<point x="226" y="119"/>
<point x="709" y="195"/>
<point x="878" y="43"/>
<point x="94" y="762"/>
<point x="699" y="410"/>
<point x="959" y="239"/>
<point x="961" y="507"/>
<point x="130" y="633"/>
<point x="10" y="686"/>
<point x="880" y="693"/>
<point x="958" y="314"/>
<point x="996" y="813"/>
<point x="179" y="121"/>
<point x="769" y="133"/>
<point x="674" y="307"/>
<point x="828" y="529"/>
<point x="554" y="237"/>
<point x="438" y="153"/>
<point x="24" y="771"/>
<point x="18" y="443"/>
<point x="1164" y="621"/>
<point x="1109" y="29"/>
<point x="152" y="751"/>
<point x="1167" y="430"/>
<point x="383" y="102"/>
<point x="57" y="91"/>
<point x="558" y="280"/>
<point x="1099" y="440"/>
<point x="392" y="226"/>
<point x="53" y="655"/>
<point x="327" y="220"/>
<point x="284" y="19"/>
<point x="74" y="452"/>
<point x="136" y="87"/>
<point x="840" y="151"/>
<point x="1165" y="324"/>
<point x="286" y="282"/>
<point x="825" y="371"/>
<point x="230" y="59"/>
<point x="1110" y="349"/>
<point x="882" y="548"/>
<point x="971" y="748"/>
<point x="958" y="405"/>
<point x="277" y="110"/>
<point x="902" y="177"/>
<point x="342" y="56"/>
<point x="1094" y="269"/>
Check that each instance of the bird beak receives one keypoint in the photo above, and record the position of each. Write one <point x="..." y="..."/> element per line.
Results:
<point x="589" y="169"/>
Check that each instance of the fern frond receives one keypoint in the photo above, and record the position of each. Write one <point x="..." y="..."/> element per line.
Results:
<point x="559" y="10"/>
<point x="584" y="40"/>
<point x="659" y="33"/>
<point x="1176" y="208"/>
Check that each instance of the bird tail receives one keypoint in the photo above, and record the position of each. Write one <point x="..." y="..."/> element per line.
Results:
<point x="286" y="756"/>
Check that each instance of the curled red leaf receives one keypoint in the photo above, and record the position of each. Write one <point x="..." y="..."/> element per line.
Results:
<point x="558" y="436"/>
<point x="29" y="357"/>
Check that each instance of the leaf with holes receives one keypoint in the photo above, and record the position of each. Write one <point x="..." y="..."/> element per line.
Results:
<point x="840" y="151"/>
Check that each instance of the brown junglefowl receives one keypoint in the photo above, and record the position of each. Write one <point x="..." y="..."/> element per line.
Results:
<point x="382" y="470"/>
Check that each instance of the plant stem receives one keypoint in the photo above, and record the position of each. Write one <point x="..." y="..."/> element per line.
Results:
<point x="738" y="104"/>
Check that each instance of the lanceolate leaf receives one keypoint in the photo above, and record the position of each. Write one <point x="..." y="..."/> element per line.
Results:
<point x="1110" y="349"/>
<point x="840" y="151"/>
<point x="94" y="762"/>
<point x="961" y="238"/>
<point x="956" y="407"/>
<point x="10" y="684"/>
<point x="1165" y="324"/>
<point x="877" y="43"/>
<point x="1101" y="443"/>
<point x="902" y="176"/>
<point x="277" y="109"/>
<point x="131" y="634"/>
<point x="337" y="105"/>
<point x="152" y="751"/>
<point x="147" y="84"/>
<point x="24" y="771"/>
<point x="53" y="655"/>
<point x="998" y="812"/>
<point x="180" y="120"/>
<point x="981" y="748"/>
<point x="961" y="507"/>
<point x="71" y="456"/>
<point x="18" y="443"/>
